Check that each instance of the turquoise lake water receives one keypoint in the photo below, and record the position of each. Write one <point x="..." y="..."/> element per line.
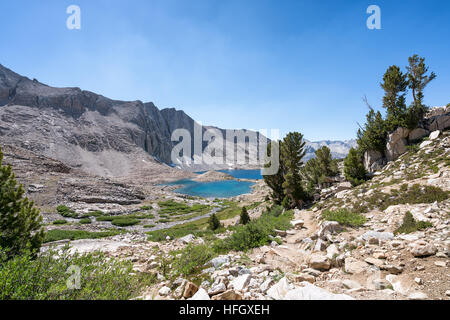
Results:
<point x="219" y="189"/>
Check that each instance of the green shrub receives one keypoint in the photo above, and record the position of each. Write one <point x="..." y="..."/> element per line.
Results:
<point x="171" y="207"/>
<point x="416" y="194"/>
<point x="244" y="218"/>
<point x="46" y="277"/>
<point x="149" y="226"/>
<point x="256" y="233"/>
<point x="410" y="225"/>
<point x="66" y="212"/>
<point x="55" y="235"/>
<point x="105" y="218"/>
<point x="124" y="221"/>
<point x="354" y="169"/>
<point x="344" y="217"/>
<point x="191" y="259"/>
<point x="62" y="221"/>
<point x="96" y="213"/>
<point x="85" y="221"/>
<point x="146" y="207"/>
<point x="214" y="222"/>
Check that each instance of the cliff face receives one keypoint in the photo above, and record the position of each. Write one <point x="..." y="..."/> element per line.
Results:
<point x="85" y="129"/>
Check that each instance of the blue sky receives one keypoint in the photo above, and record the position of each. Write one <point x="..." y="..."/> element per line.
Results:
<point x="289" y="65"/>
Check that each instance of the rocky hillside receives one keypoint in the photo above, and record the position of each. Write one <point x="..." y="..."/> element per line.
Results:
<point x="385" y="239"/>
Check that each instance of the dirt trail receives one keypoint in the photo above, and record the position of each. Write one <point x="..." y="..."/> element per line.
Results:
<point x="290" y="255"/>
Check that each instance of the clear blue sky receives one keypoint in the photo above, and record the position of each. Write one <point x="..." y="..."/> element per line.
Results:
<point x="292" y="65"/>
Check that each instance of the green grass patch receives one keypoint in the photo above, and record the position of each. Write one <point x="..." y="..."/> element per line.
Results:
<point x="55" y="235"/>
<point x="66" y="212"/>
<point x="125" y="222"/>
<point x="59" y="222"/>
<point x="344" y="217"/>
<point x="199" y="228"/>
<point x="96" y="213"/>
<point x="85" y="221"/>
<point x="174" y="208"/>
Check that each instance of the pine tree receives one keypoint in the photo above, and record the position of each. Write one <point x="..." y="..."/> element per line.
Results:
<point x="275" y="181"/>
<point x="20" y="221"/>
<point x="394" y="85"/>
<point x="327" y="166"/>
<point x="417" y="78"/>
<point x="374" y="134"/>
<point x="319" y="168"/>
<point x="417" y="81"/>
<point x="354" y="170"/>
<point x="245" y="218"/>
<point x="214" y="222"/>
<point x="292" y="152"/>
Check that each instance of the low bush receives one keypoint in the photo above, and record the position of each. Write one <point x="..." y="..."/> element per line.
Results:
<point x="344" y="217"/>
<point x="410" y="225"/>
<point x="171" y="207"/>
<point x="66" y="212"/>
<point x="214" y="222"/>
<point x="58" y="222"/>
<point x="85" y="221"/>
<point x="191" y="259"/>
<point x="47" y="277"/>
<point x="125" y="221"/>
<point x="256" y="233"/>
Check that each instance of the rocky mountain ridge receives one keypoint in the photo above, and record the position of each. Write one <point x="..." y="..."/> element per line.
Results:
<point x="89" y="131"/>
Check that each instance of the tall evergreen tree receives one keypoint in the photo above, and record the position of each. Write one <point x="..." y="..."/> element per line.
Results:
<point x="418" y="78"/>
<point x="292" y="153"/>
<point x="354" y="170"/>
<point x="328" y="166"/>
<point x="319" y="168"/>
<point x="374" y="134"/>
<point x="275" y="181"/>
<point x="20" y="221"/>
<point x="394" y="85"/>
<point x="417" y="81"/>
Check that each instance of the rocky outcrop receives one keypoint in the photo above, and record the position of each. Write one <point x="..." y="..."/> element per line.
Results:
<point x="396" y="145"/>
<point x="438" y="119"/>
<point x="373" y="160"/>
<point x="417" y="134"/>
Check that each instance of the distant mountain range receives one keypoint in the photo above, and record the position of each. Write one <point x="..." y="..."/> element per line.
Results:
<point x="339" y="149"/>
<point x="100" y="135"/>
